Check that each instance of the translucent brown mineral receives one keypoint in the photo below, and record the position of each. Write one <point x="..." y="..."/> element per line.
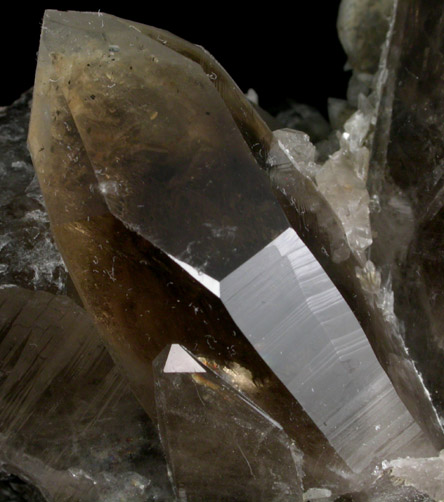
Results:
<point x="153" y="166"/>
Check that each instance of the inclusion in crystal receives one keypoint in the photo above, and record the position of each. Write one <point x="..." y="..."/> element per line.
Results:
<point x="407" y="176"/>
<point x="378" y="232"/>
<point x="68" y="421"/>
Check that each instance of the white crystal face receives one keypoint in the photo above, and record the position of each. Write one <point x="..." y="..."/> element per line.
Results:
<point x="299" y="323"/>
<point x="211" y="284"/>
<point x="179" y="361"/>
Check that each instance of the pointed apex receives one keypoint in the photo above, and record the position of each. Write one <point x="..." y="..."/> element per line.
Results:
<point x="180" y="361"/>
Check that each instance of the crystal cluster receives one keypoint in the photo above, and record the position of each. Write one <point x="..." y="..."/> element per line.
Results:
<point x="270" y="296"/>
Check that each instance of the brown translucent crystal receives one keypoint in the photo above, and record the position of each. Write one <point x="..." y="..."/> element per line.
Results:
<point x="148" y="157"/>
<point x="68" y="421"/>
<point x="140" y="299"/>
<point x="407" y="174"/>
<point x="256" y="461"/>
<point x="405" y="185"/>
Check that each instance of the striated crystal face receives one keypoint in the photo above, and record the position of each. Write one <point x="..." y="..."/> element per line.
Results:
<point x="150" y="159"/>
<point x="390" y="289"/>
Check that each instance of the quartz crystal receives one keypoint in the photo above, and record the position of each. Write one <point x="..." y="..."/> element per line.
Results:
<point x="347" y="226"/>
<point x="407" y="176"/>
<point x="59" y="392"/>
<point x="141" y="298"/>
<point x="172" y="234"/>
<point x="196" y="408"/>
<point x="59" y="389"/>
<point x="272" y="300"/>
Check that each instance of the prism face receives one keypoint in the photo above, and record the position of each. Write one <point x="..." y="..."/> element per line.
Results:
<point x="220" y="446"/>
<point x="252" y="127"/>
<point x="179" y="361"/>
<point x="298" y="322"/>
<point x="369" y="296"/>
<point x="408" y="177"/>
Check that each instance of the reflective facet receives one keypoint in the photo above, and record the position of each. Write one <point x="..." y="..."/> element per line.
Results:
<point x="407" y="175"/>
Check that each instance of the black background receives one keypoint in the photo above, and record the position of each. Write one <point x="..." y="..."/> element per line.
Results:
<point x="281" y="50"/>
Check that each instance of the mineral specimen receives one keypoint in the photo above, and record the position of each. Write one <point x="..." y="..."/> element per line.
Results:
<point x="280" y="325"/>
<point x="349" y="221"/>
<point x="407" y="176"/>
<point x="172" y="234"/>
<point x="140" y="298"/>
<point x="28" y="256"/>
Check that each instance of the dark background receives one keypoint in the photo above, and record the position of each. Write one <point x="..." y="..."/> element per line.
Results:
<point x="282" y="51"/>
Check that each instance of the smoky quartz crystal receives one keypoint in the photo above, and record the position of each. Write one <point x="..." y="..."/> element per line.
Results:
<point x="268" y="300"/>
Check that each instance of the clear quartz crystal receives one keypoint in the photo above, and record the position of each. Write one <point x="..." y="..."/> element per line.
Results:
<point x="341" y="180"/>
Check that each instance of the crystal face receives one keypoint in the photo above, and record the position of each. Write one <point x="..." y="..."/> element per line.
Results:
<point x="387" y="288"/>
<point x="165" y="212"/>
<point x="408" y="176"/>
<point x="272" y="298"/>
<point x="196" y="408"/>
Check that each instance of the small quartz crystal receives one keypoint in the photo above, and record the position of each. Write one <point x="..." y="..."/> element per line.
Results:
<point x="196" y="407"/>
